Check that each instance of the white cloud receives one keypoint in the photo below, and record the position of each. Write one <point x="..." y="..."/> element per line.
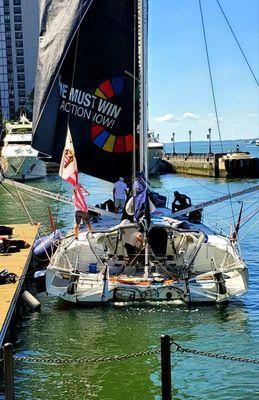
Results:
<point x="210" y="119"/>
<point x="166" y="118"/>
<point x="171" y="118"/>
<point x="252" y="115"/>
<point x="189" y="115"/>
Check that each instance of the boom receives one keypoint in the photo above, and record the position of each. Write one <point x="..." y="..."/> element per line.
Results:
<point x="215" y="201"/>
<point x="53" y="196"/>
<point x="58" y="197"/>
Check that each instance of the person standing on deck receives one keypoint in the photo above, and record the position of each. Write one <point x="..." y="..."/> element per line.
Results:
<point x="81" y="211"/>
<point x="119" y="194"/>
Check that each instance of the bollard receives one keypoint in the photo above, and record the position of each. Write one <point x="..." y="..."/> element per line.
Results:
<point x="8" y="371"/>
<point x="166" y="367"/>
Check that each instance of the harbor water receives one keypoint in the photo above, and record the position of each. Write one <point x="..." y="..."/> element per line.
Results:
<point x="61" y="330"/>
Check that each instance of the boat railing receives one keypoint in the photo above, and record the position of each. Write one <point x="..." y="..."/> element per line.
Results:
<point x="196" y="249"/>
<point x="186" y="156"/>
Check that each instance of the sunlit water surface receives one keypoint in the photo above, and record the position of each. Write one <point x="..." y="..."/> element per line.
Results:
<point x="66" y="331"/>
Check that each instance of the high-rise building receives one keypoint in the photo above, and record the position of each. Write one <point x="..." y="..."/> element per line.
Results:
<point x="19" y="32"/>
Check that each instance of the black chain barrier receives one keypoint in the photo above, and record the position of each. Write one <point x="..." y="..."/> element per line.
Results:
<point x="214" y="355"/>
<point x="85" y="360"/>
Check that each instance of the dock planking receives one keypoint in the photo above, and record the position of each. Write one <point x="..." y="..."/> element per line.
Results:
<point x="17" y="263"/>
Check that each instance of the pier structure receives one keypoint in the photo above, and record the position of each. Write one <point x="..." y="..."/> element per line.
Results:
<point x="17" y="263"/>
<point x="214" y="165"/>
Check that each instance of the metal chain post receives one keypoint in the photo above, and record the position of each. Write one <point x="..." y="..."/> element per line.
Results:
<point x="8" y="371"/>
<point x="166" y="367"/>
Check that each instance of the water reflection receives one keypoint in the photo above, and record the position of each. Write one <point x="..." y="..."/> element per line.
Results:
<point x="61" y="329"/>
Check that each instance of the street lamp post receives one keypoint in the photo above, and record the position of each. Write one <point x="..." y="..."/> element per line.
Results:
<point x="209" y="137"/>
<point x="190" y="142"/>
<point x="172" y="140"/>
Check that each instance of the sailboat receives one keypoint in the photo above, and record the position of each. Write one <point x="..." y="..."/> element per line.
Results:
<point x="92" y="82"/>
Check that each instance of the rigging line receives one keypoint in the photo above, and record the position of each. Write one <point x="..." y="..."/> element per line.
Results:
<point x="208" y="216"/>
<point x="247" y="208"/>
<point x="19" y="167"/>
<point x="214" y="98"/>
<point x="75" y="57"/>
<point x="58" y="202"/>
<point x="165" y="188"/>
<point x="206" y="187"/>
<point x="235" y="37"/>
<point x="20" y="203"/>
<point x="9" y="192"/>
<point x="24" y="206"/>
<point x="213" y="211"/>
<point x="239" y="201"/>
<point x="251" y="215"/>
<point x="252" y="227"/>
<point x="72" y="84"/>
<point x="35" y="198"/>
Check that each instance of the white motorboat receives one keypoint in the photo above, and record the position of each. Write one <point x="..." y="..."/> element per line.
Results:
<point x="19" y="160"/>
<point x="155" y="152"/>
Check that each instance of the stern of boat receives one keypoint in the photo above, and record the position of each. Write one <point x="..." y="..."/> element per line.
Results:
<point x="237" y="280"/>
<point x="78" y="287"/>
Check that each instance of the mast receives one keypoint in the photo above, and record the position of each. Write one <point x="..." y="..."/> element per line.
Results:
<point x="143" y="72"/>
<point x="143" y="78"/>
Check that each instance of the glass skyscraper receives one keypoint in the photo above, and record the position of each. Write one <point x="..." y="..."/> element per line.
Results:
<point x="19" y="32"/>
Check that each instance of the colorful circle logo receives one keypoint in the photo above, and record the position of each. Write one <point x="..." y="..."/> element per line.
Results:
<point x="101" y="137"/>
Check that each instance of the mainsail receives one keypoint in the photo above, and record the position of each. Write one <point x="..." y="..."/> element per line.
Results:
<point x="87" y="79"/>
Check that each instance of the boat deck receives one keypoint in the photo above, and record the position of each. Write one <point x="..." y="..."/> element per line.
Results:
<point x="17" y="263"/>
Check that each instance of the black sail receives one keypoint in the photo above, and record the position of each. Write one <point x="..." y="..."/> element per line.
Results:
<point x="87" y="79"/>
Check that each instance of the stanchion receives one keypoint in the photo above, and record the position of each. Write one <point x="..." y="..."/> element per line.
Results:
<point x="8" y="371"/>
<point x="166" y="367"/>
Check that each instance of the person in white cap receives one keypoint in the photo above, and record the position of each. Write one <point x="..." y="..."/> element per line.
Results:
<point x="119" y="194"/>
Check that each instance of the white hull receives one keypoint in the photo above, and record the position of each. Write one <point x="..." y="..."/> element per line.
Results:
<point x="90" y="291"/>
<point x="19" y="160"/>
<point x="83" y="288"/>
<point x="215" y="272"/>
<point x="24" y="168"/>
<point x="155" y="155"/>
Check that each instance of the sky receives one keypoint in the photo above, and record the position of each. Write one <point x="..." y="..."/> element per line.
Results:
<point x="180" y="95"/>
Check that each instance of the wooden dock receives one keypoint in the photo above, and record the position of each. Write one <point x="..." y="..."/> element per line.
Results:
<point x="17" y="263"/>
